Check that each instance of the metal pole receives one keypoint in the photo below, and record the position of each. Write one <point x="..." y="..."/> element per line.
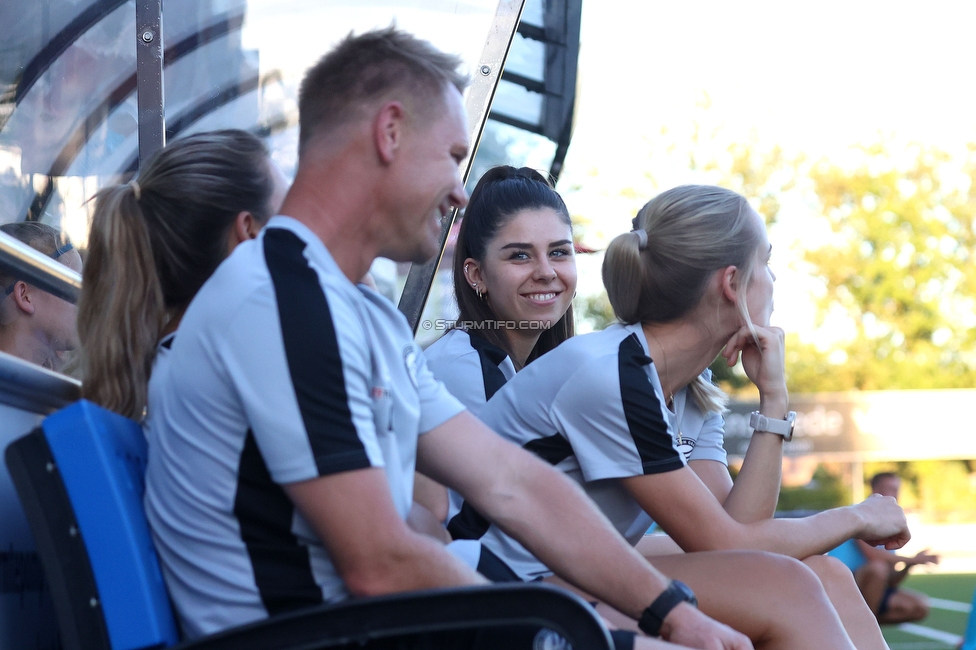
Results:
<point x="25" y="263"/>
<point x="478" y="103"/>
<point x="149" y="77"/>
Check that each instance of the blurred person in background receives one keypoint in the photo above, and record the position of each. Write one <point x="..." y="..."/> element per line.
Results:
<point x="883" y="571"/>
<point x="34" y="324"/>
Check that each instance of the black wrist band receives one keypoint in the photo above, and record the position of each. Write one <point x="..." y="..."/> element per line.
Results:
<point x="653" y="617"/>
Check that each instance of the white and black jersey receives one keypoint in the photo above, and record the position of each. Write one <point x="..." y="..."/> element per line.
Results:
<point x="594" y="408"/>
<point x="159" y="368"/>
<point x="470" y="367"/>
<point x="473" y="370"/>
<point x="282" y="371"/>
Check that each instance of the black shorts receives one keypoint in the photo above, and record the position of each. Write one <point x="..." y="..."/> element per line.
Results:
<point x="886" y="600"/>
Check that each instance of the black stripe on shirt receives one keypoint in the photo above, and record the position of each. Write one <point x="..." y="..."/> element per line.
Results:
<point x="468" y="523"/>
<point x="491" y="357"/>
<point x="312" y="352"/>
<point x="553" y="449"/>
<point x="282" y="570"/>
<point x="642" y="408"/>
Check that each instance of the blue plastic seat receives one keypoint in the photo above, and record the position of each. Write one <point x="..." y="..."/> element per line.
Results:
<point x="80" y="477"/>
<point x="850" y="554"/>
<point x="969" y="638"/>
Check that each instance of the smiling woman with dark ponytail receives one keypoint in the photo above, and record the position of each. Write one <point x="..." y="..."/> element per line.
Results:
<point x="153" y="243"/>
<point x="514" y="281"/>
<point x="499" y="273"/>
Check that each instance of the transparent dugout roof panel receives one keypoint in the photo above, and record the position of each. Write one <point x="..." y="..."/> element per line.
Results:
<point x="69" y="114"/>
<point x="68" y="104"/>
<point x="527" y="58"/>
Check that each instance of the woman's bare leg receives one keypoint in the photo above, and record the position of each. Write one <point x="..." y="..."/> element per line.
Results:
<point x="837" y="580"/>
<point x="774" y="600"/>
<point x="841" y="588"/>
<point x="655" y="545"/>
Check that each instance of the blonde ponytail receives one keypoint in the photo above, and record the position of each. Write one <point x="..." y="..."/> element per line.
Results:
<point x="709" y="397"/>
<point x="120" y="310"/>
<point x="691" y="231"/>
<point x="623" y="275"/>
<point x="153" y="243"/>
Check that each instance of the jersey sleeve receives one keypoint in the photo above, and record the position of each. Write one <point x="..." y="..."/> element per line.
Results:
<point x="710" y="444"/>
<point x="612" y="416"/>
<point x="437" y="404"/>
<point x="459" y="371"/>
<point x="711" y="441"/>
<point x="300" y="361"/>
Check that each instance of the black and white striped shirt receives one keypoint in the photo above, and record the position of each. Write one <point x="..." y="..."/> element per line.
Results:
<point x="594" y="408"/>
<point x="282" y="371"/>
<point x="473" y="370"/>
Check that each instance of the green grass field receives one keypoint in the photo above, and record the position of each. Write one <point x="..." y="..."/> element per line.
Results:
<point x="954" y="587"/>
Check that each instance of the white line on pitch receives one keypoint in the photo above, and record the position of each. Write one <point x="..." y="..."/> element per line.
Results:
<point x="929" y="633"/>
<point x="951" y="605"/>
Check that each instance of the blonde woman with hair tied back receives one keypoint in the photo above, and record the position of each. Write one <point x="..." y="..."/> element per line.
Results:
<point x="153" y="243"/>
<point x="632" y="415"/>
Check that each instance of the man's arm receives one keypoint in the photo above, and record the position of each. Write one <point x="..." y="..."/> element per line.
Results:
<point x="552" y="517"/>
<point x="431" y="495"/>
<point x="540" y="507"/>
<point x="874" y="554"/>
<point x="423" y="521"/>
<point x="697" y="522"/>
<point x="371" y="547"/>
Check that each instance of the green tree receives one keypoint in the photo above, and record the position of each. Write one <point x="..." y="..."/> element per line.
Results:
<point x="895" y="262"/>
<point x="899" y="267"/>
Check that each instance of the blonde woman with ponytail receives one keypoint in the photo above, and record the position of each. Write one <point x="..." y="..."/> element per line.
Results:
<point x="153" y="243"/>
<point x="631" y="414"/>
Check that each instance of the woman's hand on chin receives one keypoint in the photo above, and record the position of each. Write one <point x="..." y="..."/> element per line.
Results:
<point x="763" y="358"/>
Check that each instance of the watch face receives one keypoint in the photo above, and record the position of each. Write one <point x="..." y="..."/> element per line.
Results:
<point x="689" y="595"/>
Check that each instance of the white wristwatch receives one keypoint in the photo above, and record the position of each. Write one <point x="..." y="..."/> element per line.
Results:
<point x="760" y="422"/>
